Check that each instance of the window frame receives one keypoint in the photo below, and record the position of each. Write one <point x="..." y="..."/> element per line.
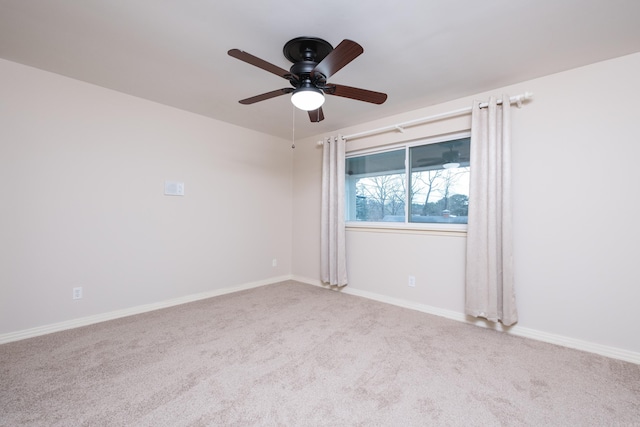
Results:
<point x="447" y="228"/>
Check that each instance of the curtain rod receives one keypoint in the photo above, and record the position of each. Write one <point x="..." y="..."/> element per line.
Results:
<point x="518" y="99"/>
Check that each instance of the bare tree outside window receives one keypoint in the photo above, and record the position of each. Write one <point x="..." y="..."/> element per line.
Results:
<point x="444" y="193"/>
<point x="429" y="181"/>
<point x="383" y="195"/>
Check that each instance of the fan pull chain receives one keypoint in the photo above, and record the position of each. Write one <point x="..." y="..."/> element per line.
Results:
<point x="293" y="130"/>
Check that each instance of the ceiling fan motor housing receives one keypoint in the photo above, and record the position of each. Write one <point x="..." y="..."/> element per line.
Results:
<point x="450" y="156"/>
<point x="306" y="53"/>
<point x="306" y="49"/>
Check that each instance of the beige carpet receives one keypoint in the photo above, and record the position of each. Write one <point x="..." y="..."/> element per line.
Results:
<point x="291" y="354"/>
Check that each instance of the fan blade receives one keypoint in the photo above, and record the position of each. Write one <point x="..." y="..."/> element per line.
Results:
<point x="356" y="93"/>
<point x="316" y="115"/>
<point x="260" y="63"/>
<point x="344" y="53"/>
<point x="267" y="95"/>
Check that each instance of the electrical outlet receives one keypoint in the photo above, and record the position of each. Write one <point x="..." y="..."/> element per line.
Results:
<point x="274" y="263"/>
<point x="412" y="281"/>
<point x="77" y="292"/>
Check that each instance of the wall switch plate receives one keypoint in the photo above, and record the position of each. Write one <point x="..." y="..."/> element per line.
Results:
<point x="274" y="263"/>
<point x="77" y="292"/>
<point x="412" y="281"/>
<point x="173" y="188"/>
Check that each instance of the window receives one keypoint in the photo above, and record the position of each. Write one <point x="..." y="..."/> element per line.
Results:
<point x="433" y="175"/>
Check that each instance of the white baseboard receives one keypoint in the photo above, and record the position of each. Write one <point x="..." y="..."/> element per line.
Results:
<point x="89" y="320"/>
<point x="603" y="350"/>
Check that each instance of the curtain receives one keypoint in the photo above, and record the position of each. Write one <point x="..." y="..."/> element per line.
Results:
<point x="489" y="268"/>
<point x="333" y="264"/>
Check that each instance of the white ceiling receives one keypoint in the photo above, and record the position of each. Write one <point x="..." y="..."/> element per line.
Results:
<point x="419" y="52"/>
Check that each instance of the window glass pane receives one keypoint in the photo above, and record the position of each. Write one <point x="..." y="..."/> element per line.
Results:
<point x="376" y="187"/>
<point x="435" y="181"/>
<point x="439" y="182"/>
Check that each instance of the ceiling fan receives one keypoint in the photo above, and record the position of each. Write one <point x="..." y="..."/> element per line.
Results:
<point x="314" y="61"/>
<point x="447" y="159"/>
<point x="451" y="158"/>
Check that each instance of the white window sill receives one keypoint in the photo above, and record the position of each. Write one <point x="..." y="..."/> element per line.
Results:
<point x="457" y="230"/>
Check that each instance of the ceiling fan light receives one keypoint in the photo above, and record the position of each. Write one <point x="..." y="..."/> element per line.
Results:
<point x="307" y="98"/>
<point x="451" y="165"/>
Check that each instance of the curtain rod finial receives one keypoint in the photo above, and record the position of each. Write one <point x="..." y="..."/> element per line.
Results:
<point x="524" y="97"/>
